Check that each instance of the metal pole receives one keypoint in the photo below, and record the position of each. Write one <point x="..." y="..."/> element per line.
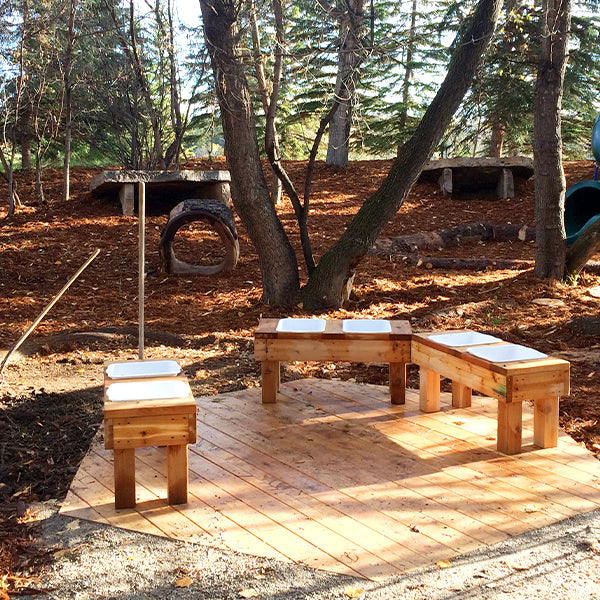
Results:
<point x="48" y="307"/>
<point x="141" y="264"/>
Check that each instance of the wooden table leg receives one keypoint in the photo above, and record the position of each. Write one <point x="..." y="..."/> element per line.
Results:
<point x="429" y="390"/>
<point x="177" y="474"/>
<point x="545" y="422"/>
<point x="124" y="466"/>
<point x="461" y="395"/>
<point x="398" y="383"/>
<point x="270" y="380"/>
<point x="510" y="416"/>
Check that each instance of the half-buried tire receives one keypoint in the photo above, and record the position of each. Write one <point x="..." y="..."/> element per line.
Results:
<point x="219" y="217"/>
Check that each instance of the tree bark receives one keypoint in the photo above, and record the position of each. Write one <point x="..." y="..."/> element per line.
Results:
<point x="497" y="138"/>
<point x="456" y="236"/>
<point x="271" y="136"/>
<point x="249" y="190"/>
<point x="25" y="137"/>
<point x="329" y="282"/>
<point x="68" y="86"/>
<point x="351" y="23"/>
<point x="550" y="183"/>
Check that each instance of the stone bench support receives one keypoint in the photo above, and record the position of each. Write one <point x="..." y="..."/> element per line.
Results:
<point x="472" y="175"/>
<point x="160" y="185"/>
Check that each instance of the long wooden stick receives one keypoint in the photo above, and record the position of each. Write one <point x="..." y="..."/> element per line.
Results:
<point x="48" y="307"/>
<point x="141" y="264"/>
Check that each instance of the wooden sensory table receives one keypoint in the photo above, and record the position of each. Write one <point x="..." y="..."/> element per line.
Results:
<point x="333" y="343"/>
<point x="540" y="379"/>
<point x="148" y="403"/>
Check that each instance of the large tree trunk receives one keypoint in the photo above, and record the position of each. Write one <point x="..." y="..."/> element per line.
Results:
<point x="351" y="23"/>
<point x="330" y="280"/>
<point x="249" y="189"/>
<point x="550" y="183"/>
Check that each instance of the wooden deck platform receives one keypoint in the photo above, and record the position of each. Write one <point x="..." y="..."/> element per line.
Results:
<point x="335" y="477"/>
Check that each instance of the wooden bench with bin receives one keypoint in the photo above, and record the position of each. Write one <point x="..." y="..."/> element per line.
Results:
<point x="511" y="373"/>
<point x="352" y="340"/>
<point x="148" y="403"/>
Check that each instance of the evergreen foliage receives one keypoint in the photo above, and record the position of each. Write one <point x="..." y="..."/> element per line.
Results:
<point x="405" y="45"/>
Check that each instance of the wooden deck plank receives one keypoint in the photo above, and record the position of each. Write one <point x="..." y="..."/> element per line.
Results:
<point x="436" y="421"/>
<point x="540" y="518"/>
<point x="225" y="533"/>
<point x="321" y="492"/>
<point x="345" y="468"/>
<point x="300" y="530"/>
<point x="336" y="477"/>
<point x="371" y="540"/>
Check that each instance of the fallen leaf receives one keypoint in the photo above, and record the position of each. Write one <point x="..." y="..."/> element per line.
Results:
<point x="260" y="576"/>
<point x="443" y="564"/>
<point x="184" y="582"/>
<point x="248" y="593"/>
<point x="352" y="592"/>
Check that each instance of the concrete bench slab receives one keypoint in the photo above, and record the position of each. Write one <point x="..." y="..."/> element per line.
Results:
<point x="464" y="175"/>
<point x="162" y="186"/>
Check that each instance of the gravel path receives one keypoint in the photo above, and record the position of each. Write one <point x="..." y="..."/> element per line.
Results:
<point x="94" y="561"/>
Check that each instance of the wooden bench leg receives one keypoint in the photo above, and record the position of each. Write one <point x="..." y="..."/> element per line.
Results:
<point x="124" y="478"/>
<point x="270" y="380"/>
<point x="510" y="416"/>
<point x="398" y="383"/>
<point x="545" y="422"/>
<point x="177" y="474"/>
<point x="429" y="390"/>
<point x="461" y="395"/>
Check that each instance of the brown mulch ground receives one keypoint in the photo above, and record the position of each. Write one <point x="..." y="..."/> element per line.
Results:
<point x="49" y="397"/>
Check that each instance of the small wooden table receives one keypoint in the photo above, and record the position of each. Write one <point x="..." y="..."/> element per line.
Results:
<point x="149" y="411"/>
<point x="541" y="380"/>
<point x="271" y="347"/>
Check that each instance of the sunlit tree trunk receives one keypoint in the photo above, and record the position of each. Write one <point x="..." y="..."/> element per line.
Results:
<point x="330" y="282"/>
<point x="249" y="189"/>
<point x="550" y="183"/>
<point x="351" y="22"/>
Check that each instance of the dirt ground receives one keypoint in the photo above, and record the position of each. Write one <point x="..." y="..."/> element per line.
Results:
<point x="49" y="396"/>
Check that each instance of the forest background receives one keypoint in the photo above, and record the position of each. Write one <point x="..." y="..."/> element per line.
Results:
<point x="95" y="80"/>
<point x="105" y="82"/>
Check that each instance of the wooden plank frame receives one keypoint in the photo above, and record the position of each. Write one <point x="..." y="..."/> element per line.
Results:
<point x="511" y="383"/>
<point x="135" y="424"/>
<point x="272" y="347"/>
